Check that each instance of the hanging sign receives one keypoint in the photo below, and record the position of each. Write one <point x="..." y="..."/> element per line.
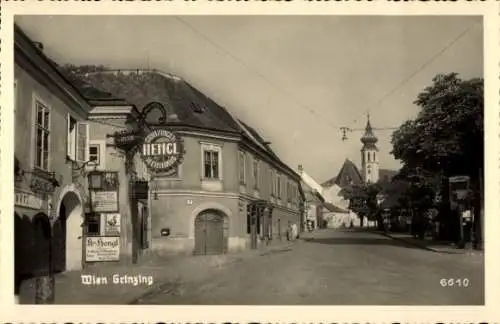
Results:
<point x="162" y="150"/>
<point x="101" y="248"/>
<point x="28" y="200"/>
<point x="104" y="201"/>
<point x="112" y="224"/>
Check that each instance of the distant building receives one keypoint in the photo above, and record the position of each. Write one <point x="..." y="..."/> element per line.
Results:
<point x="370" y="172"/>
<point x="350" y="175"/>
<point x="321" y="203"/>
<point x="369" y="155"/>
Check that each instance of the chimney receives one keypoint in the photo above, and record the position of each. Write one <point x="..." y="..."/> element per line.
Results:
<point x="300" y="168"/>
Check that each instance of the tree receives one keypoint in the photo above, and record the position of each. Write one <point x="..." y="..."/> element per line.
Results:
<point x="447" y="135"/>
<point x="445" y="139"/>
<point x="363" y="200"/>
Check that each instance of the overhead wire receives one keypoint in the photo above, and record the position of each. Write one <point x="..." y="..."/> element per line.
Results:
<point x="312" y="111"/>
<point x="419" y="69"/>
<point x="262" y="76"/>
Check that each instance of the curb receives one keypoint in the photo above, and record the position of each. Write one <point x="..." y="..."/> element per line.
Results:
<point x="421" y="246"/>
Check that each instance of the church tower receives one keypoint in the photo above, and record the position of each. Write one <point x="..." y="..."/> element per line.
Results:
<point x="369" y="155"/>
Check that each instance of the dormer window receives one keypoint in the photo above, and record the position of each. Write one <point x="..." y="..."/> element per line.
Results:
<point x="197" y="108"/>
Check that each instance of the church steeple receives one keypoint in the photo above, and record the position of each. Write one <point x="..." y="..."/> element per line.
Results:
<point x="369" y="152"/>
<point x="369" y="137"/>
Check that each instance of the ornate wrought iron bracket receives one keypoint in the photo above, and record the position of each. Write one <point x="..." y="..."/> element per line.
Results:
<point x="42" y="182"/>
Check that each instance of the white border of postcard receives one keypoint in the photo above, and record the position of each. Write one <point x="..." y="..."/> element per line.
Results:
<point x="489" y="9"/>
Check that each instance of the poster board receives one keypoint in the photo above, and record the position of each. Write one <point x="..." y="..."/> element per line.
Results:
<point x="102" y="248"/>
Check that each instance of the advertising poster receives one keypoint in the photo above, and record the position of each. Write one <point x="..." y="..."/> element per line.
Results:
<point x="112" y="224"/>
<point x="104" y="201"/>
<point x="102" y="248"/>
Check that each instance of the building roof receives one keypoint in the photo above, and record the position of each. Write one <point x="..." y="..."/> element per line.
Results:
<point x="188" y="105"/>
<point x="386" y="175"/>
<point x="334" y="209"/>
<point x="311" y="183"/>
<point x="348" y="175"/>
<point x="25" y="47"/>
<point x="330" y="182"/>
<point x="140" y="87"/>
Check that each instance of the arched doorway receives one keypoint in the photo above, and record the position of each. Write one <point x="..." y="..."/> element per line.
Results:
<point x="67" y="233"/>
<point x="24" y="242"/>
<point x="41" y="244"/>
<point x="210" y="232"/>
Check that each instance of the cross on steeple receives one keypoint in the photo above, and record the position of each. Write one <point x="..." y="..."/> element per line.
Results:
<point x="369" y="137"/>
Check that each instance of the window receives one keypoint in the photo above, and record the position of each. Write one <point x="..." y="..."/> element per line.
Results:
<point x="271" y="183"/>
<point x="242" y="167"/>
<point x="256" y="173"/>
<point x="212" y="161"/>
<point x="77" y="140"/>
<point x="278" y="189"/>
<point x="42" y="136"/>
<point x="93" y="224"/>
<point x="97" y="155"/>
<point x="94" y="153"/>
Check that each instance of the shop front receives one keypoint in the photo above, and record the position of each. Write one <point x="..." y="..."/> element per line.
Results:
<point x="48" y="224"/>
<point x="103" y="221"/>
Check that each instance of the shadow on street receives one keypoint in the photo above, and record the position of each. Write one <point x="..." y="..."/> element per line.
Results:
<point x="353" y="240"/>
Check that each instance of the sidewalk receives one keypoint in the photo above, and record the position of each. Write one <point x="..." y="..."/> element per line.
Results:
<point x="430" y="245"/>
<point x="164" y="273"/>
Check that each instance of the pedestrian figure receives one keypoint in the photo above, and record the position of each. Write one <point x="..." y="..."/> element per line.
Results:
<point x="295" y="232"/>
<point x="289" y="231"/>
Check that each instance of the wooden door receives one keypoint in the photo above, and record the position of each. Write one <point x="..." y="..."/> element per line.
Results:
<point x="209" y="234"/>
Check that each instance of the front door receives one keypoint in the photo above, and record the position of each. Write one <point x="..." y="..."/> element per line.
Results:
<point x="209" y="234"/>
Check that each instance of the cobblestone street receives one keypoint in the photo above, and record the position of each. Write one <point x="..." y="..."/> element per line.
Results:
<point x="337" y="268"/>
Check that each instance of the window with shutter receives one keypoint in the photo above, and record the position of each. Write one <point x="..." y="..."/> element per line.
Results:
<point x="256" y="173"/>
<point x="82" y="142"/>
<point x="242" y="167"/>
<point x="71" y="137"/>
<point x="278" y="190"/>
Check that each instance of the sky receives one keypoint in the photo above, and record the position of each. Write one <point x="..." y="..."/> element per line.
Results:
<point x="296" y="79"/>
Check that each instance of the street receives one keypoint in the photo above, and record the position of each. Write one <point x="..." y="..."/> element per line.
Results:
<point x="336" y="267"/>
